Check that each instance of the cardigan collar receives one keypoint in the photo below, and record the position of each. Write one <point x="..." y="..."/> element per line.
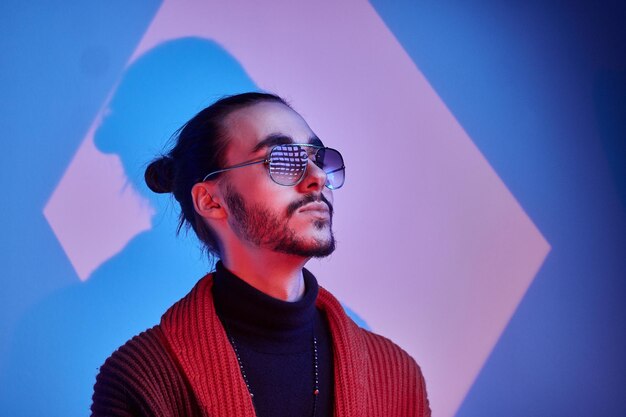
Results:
<point x="199" y="344"/>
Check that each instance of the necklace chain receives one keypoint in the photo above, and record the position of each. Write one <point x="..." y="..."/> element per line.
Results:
<point x="316" y="381"/>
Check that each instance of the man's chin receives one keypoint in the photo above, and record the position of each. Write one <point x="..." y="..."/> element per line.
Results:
<point x="324" y="252"/>
<point x="316" y="249"/>
<point x="324" y="249"/>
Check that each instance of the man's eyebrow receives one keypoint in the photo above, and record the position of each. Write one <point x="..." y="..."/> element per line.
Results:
<point x="272" y="140"/>
<point x="280" y="139"/>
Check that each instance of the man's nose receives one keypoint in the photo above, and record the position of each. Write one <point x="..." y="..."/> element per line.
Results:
<point x="314" y="178"/>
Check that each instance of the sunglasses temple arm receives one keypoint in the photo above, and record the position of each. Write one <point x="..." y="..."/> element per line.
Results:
<point x="261" y="161"/>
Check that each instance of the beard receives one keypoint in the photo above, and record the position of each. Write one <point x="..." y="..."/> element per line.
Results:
<point x="263" y="228"/>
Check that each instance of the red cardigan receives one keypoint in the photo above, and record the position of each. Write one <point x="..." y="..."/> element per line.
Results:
<point x="186" y="367"/>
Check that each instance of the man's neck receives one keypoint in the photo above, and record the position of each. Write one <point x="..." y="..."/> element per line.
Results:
<point x="275" y="274"/>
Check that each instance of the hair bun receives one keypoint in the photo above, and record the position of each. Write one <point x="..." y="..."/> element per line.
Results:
<point x="159" y="175"/>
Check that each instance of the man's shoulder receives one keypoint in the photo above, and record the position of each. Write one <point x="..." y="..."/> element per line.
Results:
<point x="141" y="377"/>
<point x="146" y="351"/>
<point x="379" y="348"/>
<point x="149" y="339"/>
<point x="382" y="348"/>
<point x="151" y="350"/>
<point x="394" y="371"/>
<point x="394" y="378"/>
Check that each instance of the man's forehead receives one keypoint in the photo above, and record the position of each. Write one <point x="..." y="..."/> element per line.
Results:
<point x="267" y="124"/>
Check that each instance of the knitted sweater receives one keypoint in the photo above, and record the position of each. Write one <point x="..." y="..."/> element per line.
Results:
<point x="185" y="366"/>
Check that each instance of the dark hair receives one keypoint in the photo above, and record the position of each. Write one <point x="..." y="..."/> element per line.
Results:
<point x="200" y="148"/>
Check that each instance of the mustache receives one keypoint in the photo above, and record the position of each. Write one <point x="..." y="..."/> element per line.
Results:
<point x="309" y="198"/>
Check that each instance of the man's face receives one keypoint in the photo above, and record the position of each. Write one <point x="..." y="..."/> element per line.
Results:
<point x="296" y="220"/>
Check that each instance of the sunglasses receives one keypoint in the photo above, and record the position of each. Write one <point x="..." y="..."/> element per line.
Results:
<point x="287" y="164"/>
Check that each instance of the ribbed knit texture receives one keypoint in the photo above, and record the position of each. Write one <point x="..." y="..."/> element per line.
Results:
<point x="187" y="367"/>
<point x="142" y="379"/>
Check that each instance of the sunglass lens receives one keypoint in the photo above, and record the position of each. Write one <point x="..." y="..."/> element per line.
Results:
<point x="331" y="162"/>
<point x="287" y="164"/>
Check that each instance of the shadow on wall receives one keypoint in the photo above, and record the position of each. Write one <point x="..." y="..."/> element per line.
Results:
<point x="62" y="341"/>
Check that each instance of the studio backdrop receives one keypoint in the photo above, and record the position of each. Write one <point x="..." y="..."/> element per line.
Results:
<point x="482" y="222"/>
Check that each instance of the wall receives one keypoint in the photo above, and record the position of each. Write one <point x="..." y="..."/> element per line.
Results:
<point x="482" y="225"/>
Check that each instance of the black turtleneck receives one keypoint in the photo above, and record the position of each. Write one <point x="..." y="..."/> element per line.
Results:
<point x="274" y="339"/>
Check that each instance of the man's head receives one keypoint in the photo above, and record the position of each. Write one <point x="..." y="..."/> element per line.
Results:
<point x="220" y="174"/>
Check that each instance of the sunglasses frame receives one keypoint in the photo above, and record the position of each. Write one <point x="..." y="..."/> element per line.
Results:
<point x="267" y="161"/>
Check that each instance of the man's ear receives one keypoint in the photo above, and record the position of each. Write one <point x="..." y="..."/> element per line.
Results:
<point x="206" y="201"/>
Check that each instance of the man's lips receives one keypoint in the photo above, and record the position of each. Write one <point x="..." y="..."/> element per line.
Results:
<point x="315" y="207"/>
<point x="311" y="203"/>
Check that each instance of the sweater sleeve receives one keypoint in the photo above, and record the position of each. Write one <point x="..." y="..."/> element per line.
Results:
<point x="396" y="380"/>
<point x="141" y="379"/>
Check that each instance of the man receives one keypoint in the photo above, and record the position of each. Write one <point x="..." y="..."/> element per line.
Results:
<point x="258" y="336"/>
